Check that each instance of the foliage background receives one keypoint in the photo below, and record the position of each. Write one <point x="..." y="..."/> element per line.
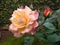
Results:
<point x="8" y="6"/>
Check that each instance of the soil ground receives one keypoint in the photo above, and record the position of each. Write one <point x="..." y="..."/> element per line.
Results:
<point x="4" y="34"/>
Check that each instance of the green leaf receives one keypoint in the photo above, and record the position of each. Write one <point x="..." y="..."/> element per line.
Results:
<point x="28" y="40"/>
<point x="58" y="11"/>
<point x="39" y="22"/>
<point x="48" y="43"/>
<point x="52" y="19"/>
<point x="53" y="38"/>
<point x="40" y="36"/>
<point x="49" y="31"/>
<point x="58" y="15"/>
<point x="49" y="26"/>
<point x="41" y="18"/>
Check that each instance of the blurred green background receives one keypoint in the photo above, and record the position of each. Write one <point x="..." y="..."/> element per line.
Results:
<point x="8" y="6"/>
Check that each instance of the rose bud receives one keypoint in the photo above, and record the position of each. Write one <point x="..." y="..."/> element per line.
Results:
<point x="47" y="12"/>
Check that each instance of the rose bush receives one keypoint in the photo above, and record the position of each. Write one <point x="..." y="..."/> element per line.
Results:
<point x="23" y="20"/>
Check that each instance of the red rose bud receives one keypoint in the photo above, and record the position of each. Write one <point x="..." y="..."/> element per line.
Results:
<point x="46" y="12"/>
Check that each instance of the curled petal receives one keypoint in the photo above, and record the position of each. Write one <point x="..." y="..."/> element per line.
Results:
<point x="11" y="19"/>
<point x="34" y="15"/>
<point x="27" y="10"/>
<point x="12" y="28"/>
<point x="34" y="26"/>
<point x="33" y="32"/>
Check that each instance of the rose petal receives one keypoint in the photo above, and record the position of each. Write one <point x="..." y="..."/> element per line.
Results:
<point x="11" y="19"/>
<point x="34" y="15"/>
<point x="33" y="32"/>
<point x="36" y="24"/>
<point x="27" y="10"/>
<point x="17" y="35"/>
<point x="26" y="30"/>
<point x="12" y="28"/>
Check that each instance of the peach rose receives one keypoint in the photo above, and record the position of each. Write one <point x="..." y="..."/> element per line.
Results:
<point x="24" y="20"/>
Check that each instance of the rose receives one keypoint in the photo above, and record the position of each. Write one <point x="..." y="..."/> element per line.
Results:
<point x="24" y="20"/>
<point x="47" y="12"/>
